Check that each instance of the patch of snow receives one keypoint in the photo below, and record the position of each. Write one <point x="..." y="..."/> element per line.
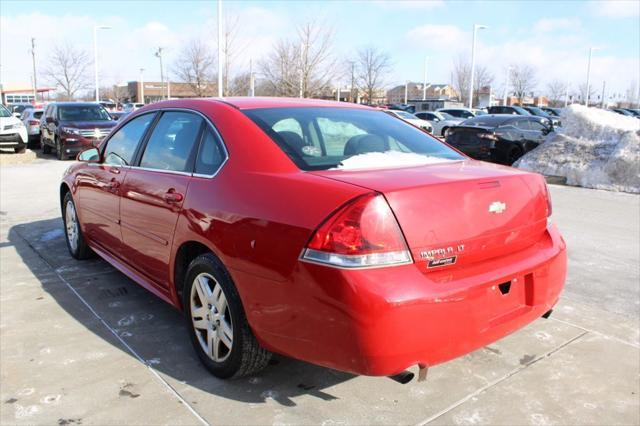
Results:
<point x="389" y="159"/>
<point x="595" y="149"/>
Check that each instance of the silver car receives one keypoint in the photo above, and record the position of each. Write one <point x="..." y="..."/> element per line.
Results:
<point x="31" y="119"/>
<point x="440" y="121"/>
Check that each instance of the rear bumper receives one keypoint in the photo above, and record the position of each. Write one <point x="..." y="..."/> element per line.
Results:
<point x="382" y="321"/>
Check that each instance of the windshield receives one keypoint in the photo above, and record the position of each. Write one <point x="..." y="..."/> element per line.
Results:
<point x="321" y="138"/>
<point x="446" y="116"/>
<point x="83" y="113"/>
<point x="4" y="112"/>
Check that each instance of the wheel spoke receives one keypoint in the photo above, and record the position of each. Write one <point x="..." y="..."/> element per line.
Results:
<point x="203" y="289"/>
<point x="217" y="291"/>
<point x="226" y="334"/>
<point x="221" y="303"/>
<point x="215" y="344"/>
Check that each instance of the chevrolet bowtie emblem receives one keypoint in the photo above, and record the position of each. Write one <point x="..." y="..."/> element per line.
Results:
<point x="497" y="207"/>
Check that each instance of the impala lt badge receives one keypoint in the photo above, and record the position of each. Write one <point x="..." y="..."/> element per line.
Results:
<point x="497" y="207"/>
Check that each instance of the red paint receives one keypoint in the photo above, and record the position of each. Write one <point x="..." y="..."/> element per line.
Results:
<point x="258" y="214"/>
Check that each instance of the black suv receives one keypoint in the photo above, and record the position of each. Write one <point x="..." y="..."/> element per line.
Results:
<point x="72" y="127"/>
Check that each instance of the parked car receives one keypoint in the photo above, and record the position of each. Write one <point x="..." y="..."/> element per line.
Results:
<point x="13" y="134"/>
<point x="463" y="113"/>
<point x="623" y="111"/>
<point x="411" y="118"/>
<point x="513" y="109"/>
<point x="117" y="115"/>
<point x="634" y="111"/>
<point x="17" y="109"/>
<point x="539" y="112"/>
<point x="552" y="111"/>
<point x="130" y="107"/>
<point x="71" y="127"/>
<point x="31" y="119"/>
<point x="440" y="121"/>
<point x="499" y="138"/>
<point x="286" y="226"/>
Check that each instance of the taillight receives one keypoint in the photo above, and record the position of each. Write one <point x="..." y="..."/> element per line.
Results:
<point x="547" y="195"/>
<point x="489" y="136"/>
<point x="364" y="233"/>
<point x="33" y="122"/>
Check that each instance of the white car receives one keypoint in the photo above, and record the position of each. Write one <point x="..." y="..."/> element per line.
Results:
<point x="31" y="120"/>
<point x="130" y="107"/>
<point x="440" y="121"/>
<point x="410" y="118"/>
<point x="462" y="112"/>
<point x="13" y="134"/>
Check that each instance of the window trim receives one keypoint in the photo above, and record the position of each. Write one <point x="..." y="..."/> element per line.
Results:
<point x="105" y="143"/>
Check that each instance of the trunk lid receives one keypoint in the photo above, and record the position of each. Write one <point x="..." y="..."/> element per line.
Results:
<point x="469" y="210"/>
<point x="466" y="135"/>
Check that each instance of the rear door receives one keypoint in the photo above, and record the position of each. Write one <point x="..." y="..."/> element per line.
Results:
<point x="154" y="190"/>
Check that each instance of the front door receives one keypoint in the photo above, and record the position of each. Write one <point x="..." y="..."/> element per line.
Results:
<point x="153" y="193"/>
<point x="100" y="186"/>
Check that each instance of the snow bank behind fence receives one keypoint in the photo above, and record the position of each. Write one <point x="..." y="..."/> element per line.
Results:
<point x="595" y="149"/>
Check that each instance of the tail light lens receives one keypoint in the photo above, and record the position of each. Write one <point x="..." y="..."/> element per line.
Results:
<point x="33" y="122"/>
<point x="549" y="205"/>
<point x="364" y="233"/>
<point x="489" y="136"/>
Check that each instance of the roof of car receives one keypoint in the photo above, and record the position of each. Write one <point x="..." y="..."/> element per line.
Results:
<point x="74" y="103"/>
<point x="495" y="119"/>
<point x="267" y="102"/>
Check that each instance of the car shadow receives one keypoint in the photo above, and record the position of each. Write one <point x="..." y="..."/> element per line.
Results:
<point x="153" y="330"/>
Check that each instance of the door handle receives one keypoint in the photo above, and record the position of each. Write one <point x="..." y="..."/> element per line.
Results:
<point x="173" y="197"/>
<point x="113" y="184"/>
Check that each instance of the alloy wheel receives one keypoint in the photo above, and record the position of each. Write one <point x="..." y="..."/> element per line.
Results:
<point x="211" y="317"/>
<point x="71" y="224"/>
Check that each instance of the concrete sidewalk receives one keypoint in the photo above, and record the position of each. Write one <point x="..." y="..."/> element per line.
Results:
<point x="82" y="344"/>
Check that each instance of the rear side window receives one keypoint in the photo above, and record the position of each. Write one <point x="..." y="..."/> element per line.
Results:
<point x="122" y="145"/>
<point x="523" y="125"/>
<point x="211" y="155"/>
<point x="170" y="146"/>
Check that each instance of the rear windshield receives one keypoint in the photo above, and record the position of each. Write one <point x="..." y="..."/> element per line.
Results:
<point x="488" y="121"/>
<point x="83" y="113"/>
<point x="37" y="114"/>
<point x="321" y="138"/>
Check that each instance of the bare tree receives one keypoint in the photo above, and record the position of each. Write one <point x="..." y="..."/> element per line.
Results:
<point x="230" y="48"/>
<point x="116" y="93"/>
<point x="582" y="93"/>
<point x="371" y="69"/>
<point x="557" y="90"/>
<point x="523" y="80"/>
<point x="461" y="72"/>
<point x="303" y="64"/>
<point x="194" y="66"/>
<point x="68" y="69"/>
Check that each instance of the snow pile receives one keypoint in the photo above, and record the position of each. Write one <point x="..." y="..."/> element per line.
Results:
<point x="595" y="149"/>
<point x="383" y="160"/>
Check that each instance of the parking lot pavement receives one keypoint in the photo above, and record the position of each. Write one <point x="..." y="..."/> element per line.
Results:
<point x="80" y="343"/>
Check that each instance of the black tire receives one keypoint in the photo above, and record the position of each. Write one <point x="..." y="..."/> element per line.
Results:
<point x="443" y="131"/>
<point x="59" y="154"/>
<point x="513" y="154"/>
<point x="246" y="356"/>
<point x="46" y="149"/>
<point x="82" y="250"/>
<point x="19" y="149"/>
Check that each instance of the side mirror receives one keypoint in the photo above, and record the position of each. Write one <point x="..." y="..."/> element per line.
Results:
<point x="91" y="155"/>
<point x="17" y="114"/>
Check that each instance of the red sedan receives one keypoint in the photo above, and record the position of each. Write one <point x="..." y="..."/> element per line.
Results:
<point x="328" y="232"/>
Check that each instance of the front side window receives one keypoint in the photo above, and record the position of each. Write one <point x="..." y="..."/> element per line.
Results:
<point x="4" y="112"/>
<point x="83" y="113"/>
<point x="344" y="133"/>
<point x="122" y="145"/>
<point x="170" y="146"/>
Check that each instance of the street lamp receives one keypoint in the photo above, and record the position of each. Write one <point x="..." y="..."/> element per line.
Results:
<point x="424" y="85"/>
<point x="95" y="56"/>
<point x="476" y="27"/>
<point x="141" y="100"/>
<point x="506" y="85"/>
<point x="586" y="98"/>
<point x="159" y="56"/>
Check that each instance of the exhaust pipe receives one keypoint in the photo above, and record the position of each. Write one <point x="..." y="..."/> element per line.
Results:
<point x="403" y="378"/>
<point x="547" y="314"/>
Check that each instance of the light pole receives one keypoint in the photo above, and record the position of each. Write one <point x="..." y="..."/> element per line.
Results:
<point x="219" y="48"/>
<point x="476" y="27"/>
<point x="424" y="83"/>
<point x="95" y="56"/>
<point x="141" y="100"/>
<point x="33" y="58"/>
<point x="406" y="92"/>
<point x="586" y="97"/>
<point x="159" y="56"/>
<point x="506" y="86"/>
<point x="252" y="81"/>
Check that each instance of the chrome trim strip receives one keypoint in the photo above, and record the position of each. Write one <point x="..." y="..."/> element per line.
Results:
<point x="172" y="172"/>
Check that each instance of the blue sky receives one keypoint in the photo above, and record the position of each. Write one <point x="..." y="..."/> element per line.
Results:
<point x="554" y="37"/>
